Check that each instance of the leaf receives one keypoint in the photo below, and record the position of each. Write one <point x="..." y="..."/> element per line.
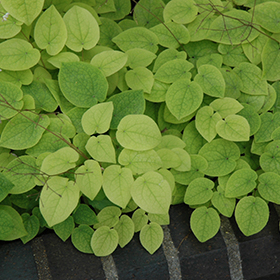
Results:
<point x="83" y="214"/>
<point x="89" y="178"/>
<point x="50" y="32"/>
<point x="161" y="219"/>
<point x="184" y="156"/>
<point x="139" y="57"/>
<point x="270" y="159"/>
<point x="140" y="219"/>
<point x="32" y="226"/>
<point x="205" y="122"/>
<point x="59" y="197"/>
<point x="271" y="60"/>
<point x="199" y="191"/>
<point x="269" y="186"/>
<point x="108" y="216"/>
<point x="183" y="97"/>
<point x="101" y="148"/>
<point x="58" y="59"/>
<point x="17" y="55"/>
<point x="24" y="131"/>
<point x="266" y="14"/>
<point x="81" y="238"/>
<point x="214" y="59"/>
<point x="140" y="161"/>
<point x="205" y="223"/>
<point x="232" y="55"/>
<point x="138" y="132"/>
<point x="180" y="11"/>
<point x="137" y="37"/>
<point x="169" y="158"/>
<point x="221" y="156"/>
<point x="64" y="229"/>
<point x="82" y="29"/>
<point x="226" y="106"/>
<point x="211" y="80"/>
<point x="223" y="204"/>
<point x="140" y="78"/>
<point x="126" y="103"/>
<point x="151" y="237"/>
<point x="234" y="128"/>
<point x="98" y="118"/>
<point x="17" y="78"/>
<point x="82" y="84"/>
<point x="59" y="161"/>
<point x="12" y="95"/>
<point x="125" y="230"/>
<point x="233" y="83"/>
<point x="270" y="100"/>
<point x="117" y="183"/>
<point x="251" y="215"/>
<point x="23" y="10"/>
<point x="104" y="241"/>
<point x="152" y="193"/>
<point x="5" y="186"/>
<point x="171" y="34"/>
<point x="11" y="224"/>
<point x="170" y="142"/>
<point x="109" y="62"/>
<point x="252" y="80"/>
<point x="241" y="182"/>
<point x="123" y="8"/>
<point x="174" y="70"/>
<point x="101" y="8"/>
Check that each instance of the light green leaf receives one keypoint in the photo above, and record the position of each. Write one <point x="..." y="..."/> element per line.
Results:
<point x="221" y="156"/>
<point x="174" y="70"/>
<point x="58" y="59"/>
<point x="270" y="159"/>
<point x="138" y="132"/>
<point x="125" y="230"/>
<point x="251" y="77"/>
<point x="205" y="122"/>
<point x="123" y="8"/>
<point x="269" y="100"/>
<point x="140" y="219"/>
<point x="140" y="161"/>
<point x="50" y="32"/>
<point x="214" y="59"/>
<point x="82" y="29"/>
<point x="240" y="183"/>
<point x="64" y="229"/>
<point x="24" y="131"/>
<point x="89" y="178"/>
<point x="151" y="237"/>
<point x="108" y="30"/>
<point x="266" y="14"/>
<point x="82" y="84"/>
<point x="170" y="142"/>
<point x="226" y="106"/>
<point x="180" y="11"/>
<point x="140" y="78"/>
<point x="158" y="92"/>
<point x="152" y="193"/>
<point x="255" y="101"/>
<point x="234" y="128"/>
<point x="104" y="241"/>
<point x="117" y="183"/>
<point x="83" y="214"/>
<point x="12" y="95"/>
<point x="169" y="158"/>
<point x="32" y="226"/>
<point x="101" y="148"/>
<point x="161" y="219"/>
<point x="185" y="159"/>
<point x="98" y="118"/>
<point x="17" y="78"/>
<point x="5" y="158"/>
<point x="224" y="205"/>
<point x="81" y="238"/>
<point x="199" y="191"/>
<point x="23" y="10"/>
<point x="211" y="80"/>
<point x="232" y="55"/>
<point x="171" y="34"/>
<point x="205" y="223"/>
<point x="183" y="97"/>
<point x="233" y="83"/>
<point x="17" y="55"/>
<point x="5" y="186"/>
<point x="108" y="216"/>
<point x="11" y="224"/>
<point x="109" y="62"/>
<point x="61" y="124"/>
<point x="102" y="8"/>
<point x="269" y="187"/>
<point x="271" y="60"/>
<point x="59" y="197"/>
<point x="60" y="161"/>
<point x="137" y="37"/>
<point x="139" y="57"/>
<point x="251" y="214"/>
<point x="16" y="172"/>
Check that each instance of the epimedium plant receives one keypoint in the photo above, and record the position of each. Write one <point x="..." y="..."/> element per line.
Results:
<point x="109" y="115"/>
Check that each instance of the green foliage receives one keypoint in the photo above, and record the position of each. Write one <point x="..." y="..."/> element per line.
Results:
<point x="107" y="118"/>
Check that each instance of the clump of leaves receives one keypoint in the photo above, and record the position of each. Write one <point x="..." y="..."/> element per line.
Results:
<point x="109" y="116"/>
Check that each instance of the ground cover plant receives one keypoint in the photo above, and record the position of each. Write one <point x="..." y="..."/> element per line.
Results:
<point x="110" y="115"/>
